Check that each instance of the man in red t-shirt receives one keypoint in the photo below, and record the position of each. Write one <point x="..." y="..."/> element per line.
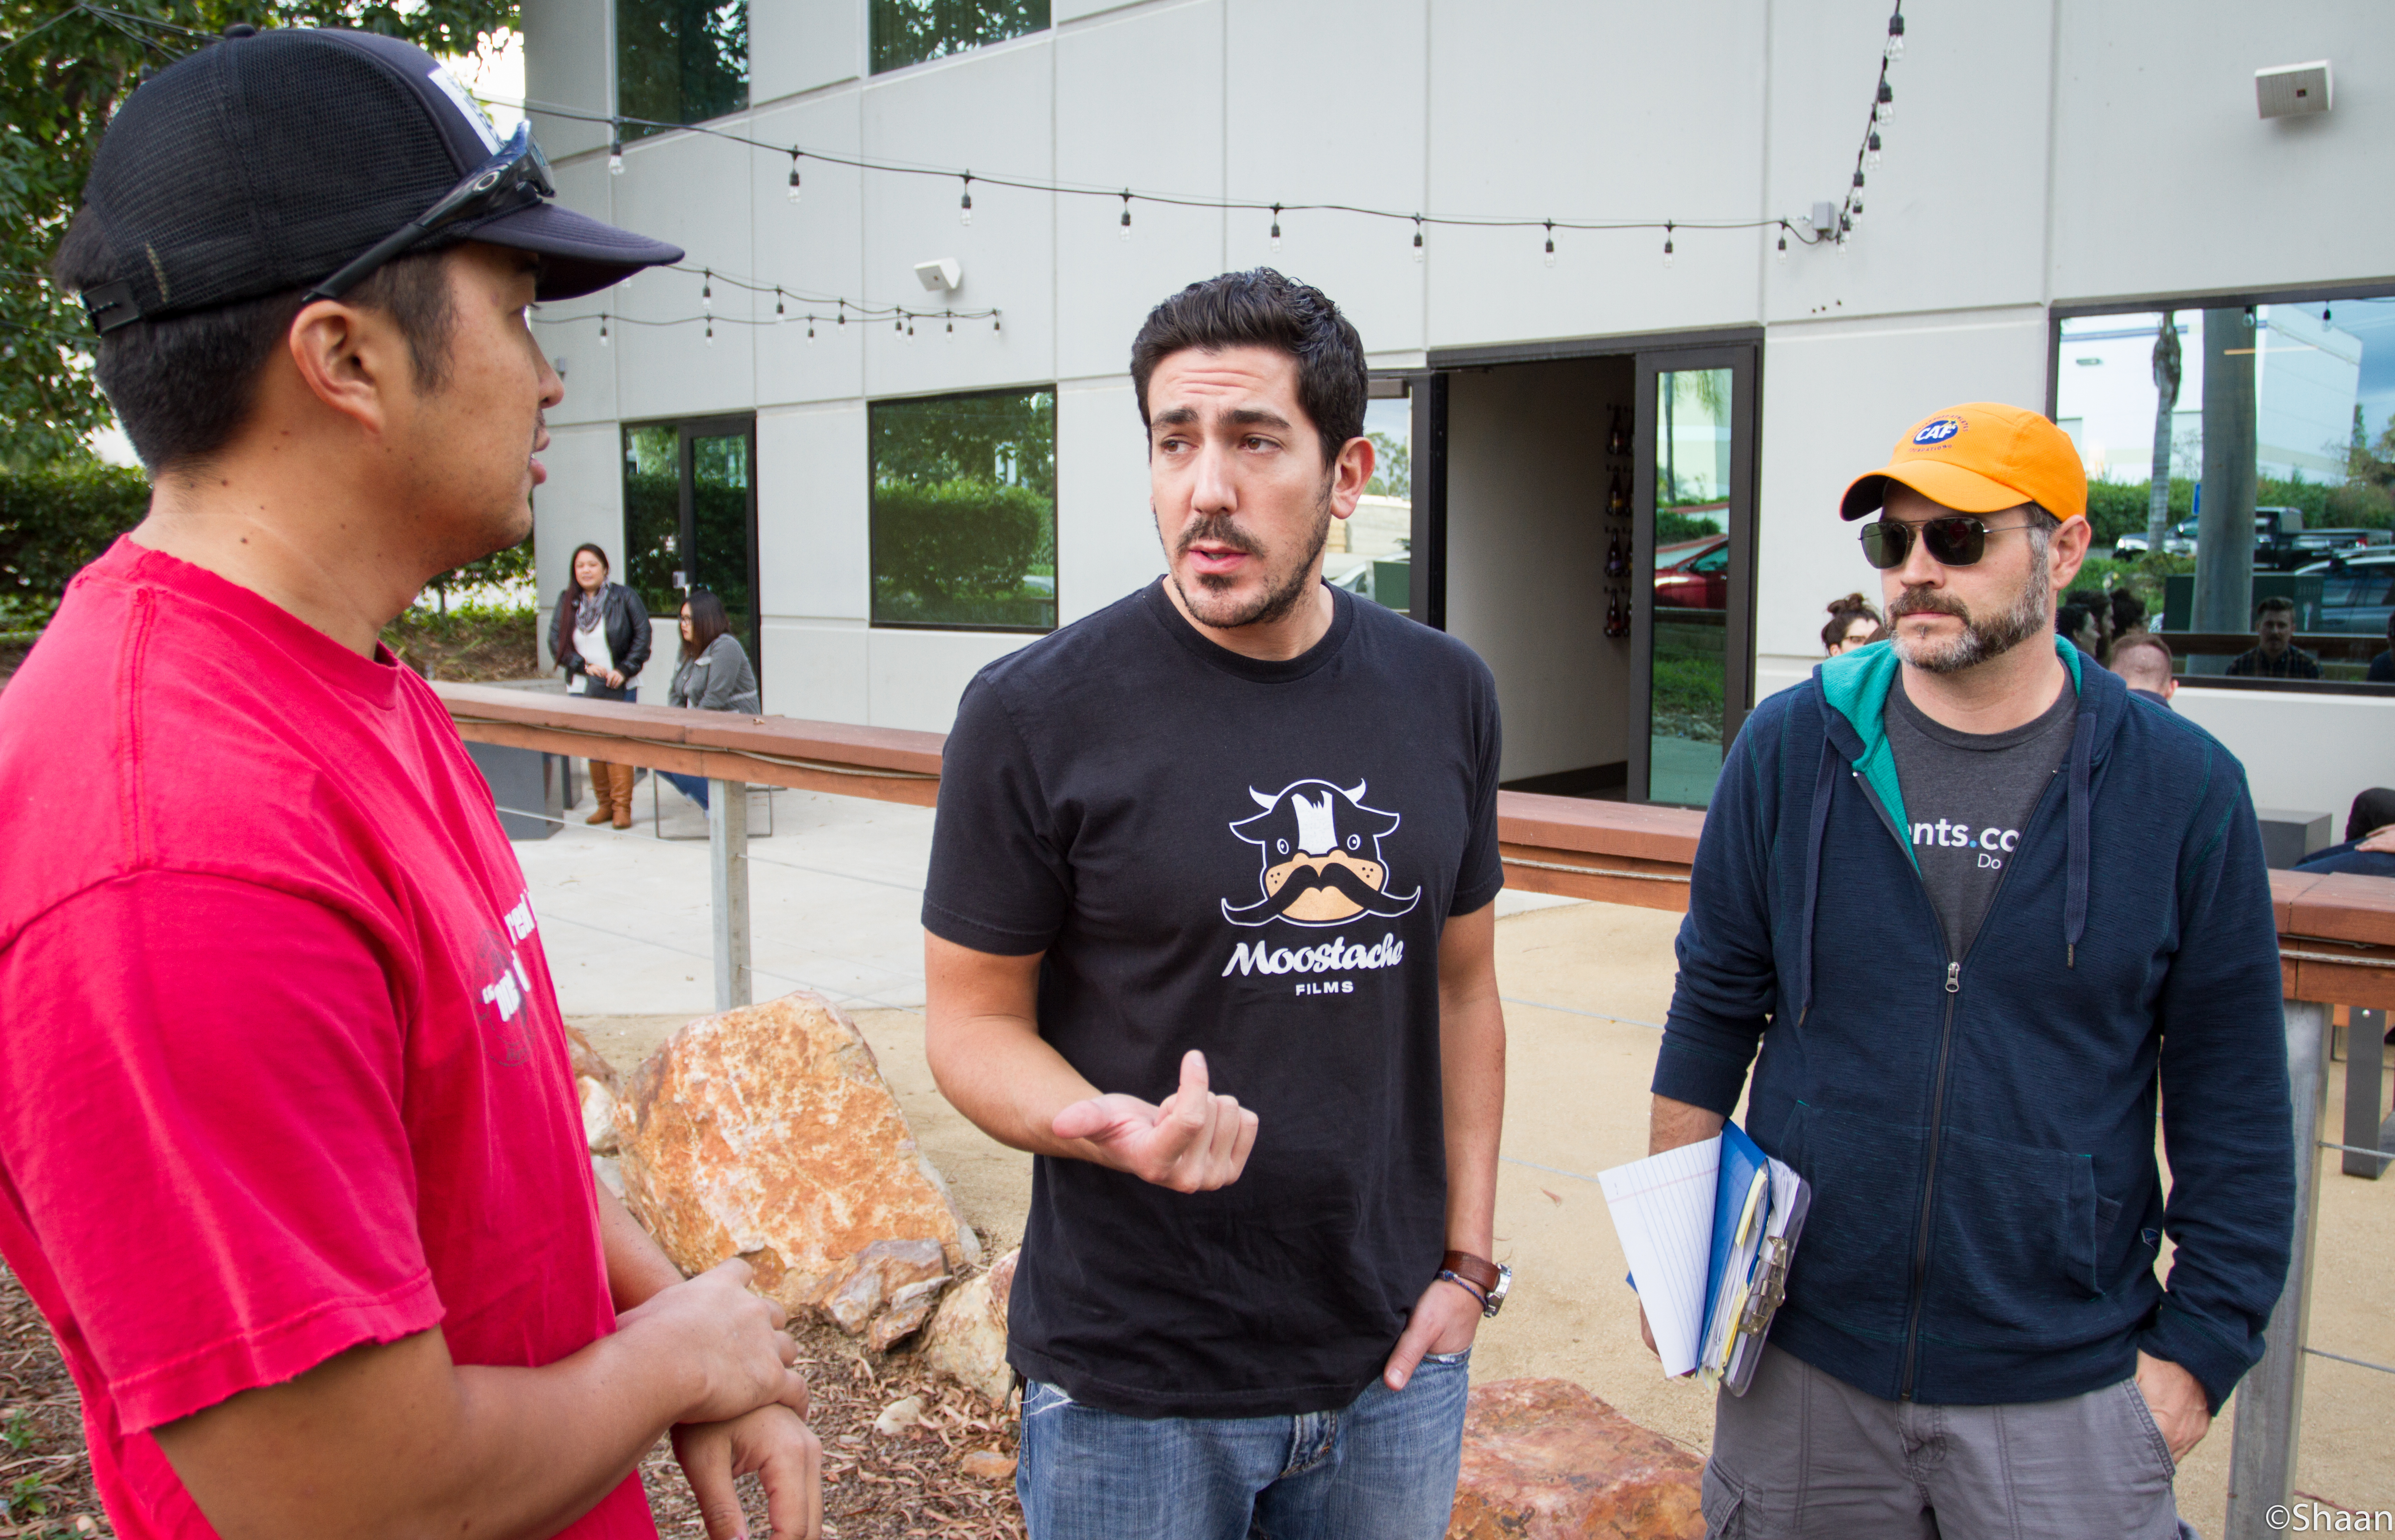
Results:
<point x="289" y="1155"/>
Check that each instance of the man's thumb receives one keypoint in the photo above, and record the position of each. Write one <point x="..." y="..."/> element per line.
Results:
<point x="1189" y="1103"/>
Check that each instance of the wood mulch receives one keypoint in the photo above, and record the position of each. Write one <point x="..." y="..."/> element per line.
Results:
<point x="468" y="647"/>
<point x="876" y="1487"/>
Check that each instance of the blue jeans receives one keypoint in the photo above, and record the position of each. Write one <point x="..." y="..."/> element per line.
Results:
<point x="1382" y="1468"/>
<point x="691" y="786"/>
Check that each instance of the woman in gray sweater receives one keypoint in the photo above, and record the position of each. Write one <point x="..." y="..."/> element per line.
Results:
<point x="715" y="673"/>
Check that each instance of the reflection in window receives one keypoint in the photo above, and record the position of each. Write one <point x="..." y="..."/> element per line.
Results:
<point x="654" y="565"/>
<point x="1692" y="576"/>
<point x="705" y="466"/>
<point x="1369" y="553"/>
<point x="908" y="32"/>
<point x="964" y="511"/>
<point x="2286" y="410"/>
<point x="680" y="60"/>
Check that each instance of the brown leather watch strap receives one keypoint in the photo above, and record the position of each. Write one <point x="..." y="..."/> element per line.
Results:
<point x="1477" y="1271"/>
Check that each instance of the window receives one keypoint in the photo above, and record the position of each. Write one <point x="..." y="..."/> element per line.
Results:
<point x="908" y="32"/>
<point x="2277" y="416"/>
<point x="1691" y="664"/>
<point x="964" y="511"/>
<point x="679" y="62"/>
<point x="690" y="520"/>
<point x="1370" y="553"/>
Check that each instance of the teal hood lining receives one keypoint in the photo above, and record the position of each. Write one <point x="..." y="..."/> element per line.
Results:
<point x="1856" y="685"/>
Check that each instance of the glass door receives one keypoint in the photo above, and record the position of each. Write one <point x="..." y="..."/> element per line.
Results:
<point x="690" y="520"/>
<point x="1692" y="625"/>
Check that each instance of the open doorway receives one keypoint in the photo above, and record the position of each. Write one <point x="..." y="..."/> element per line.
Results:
<point x="1587" y="524"/>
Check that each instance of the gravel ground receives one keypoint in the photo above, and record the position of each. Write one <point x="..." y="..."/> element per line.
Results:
<point x="876" y="1487"/>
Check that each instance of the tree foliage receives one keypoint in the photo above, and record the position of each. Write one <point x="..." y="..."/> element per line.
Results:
<point x="64" y="70"/>
<point x="54" y="519"/>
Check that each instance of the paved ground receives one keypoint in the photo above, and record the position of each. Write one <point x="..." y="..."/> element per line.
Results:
<point x="835" y="895"/>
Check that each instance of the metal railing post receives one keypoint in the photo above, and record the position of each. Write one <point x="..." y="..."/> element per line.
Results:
<point x="2270" y="1401"/>
<point x="2365" y="1065"/>
<point x="727" y="839"/>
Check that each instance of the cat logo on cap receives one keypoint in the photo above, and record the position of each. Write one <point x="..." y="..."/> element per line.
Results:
<point x="1932" y="434"/>
<point x="1322" y="858"/>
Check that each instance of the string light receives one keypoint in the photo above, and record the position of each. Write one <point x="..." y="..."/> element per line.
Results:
<point x="1276" y="228"/>
<point x="1781" y="256"/>
<point x="1551" y="243"/>
<point x="779" y="313"/>
<point x="952" y="323"/>
<point x="964" y="206"/>
<point x="1667" y="243"/>
<point x="707" y="293"/>
<point x="1418" y="234"/>
<point x="1895" y="37"/>
<point x="603" y="328"/>
<point x="1871" y="153"/>
<point x="993" y="321"/>
<point x="1126" y="219"/>
<point x="1887" y="103"/>
<point x="710" y="331"/>
<point x="811" y="331"/>
<point x="616" y="155"/>
<point x="794" y="176"/>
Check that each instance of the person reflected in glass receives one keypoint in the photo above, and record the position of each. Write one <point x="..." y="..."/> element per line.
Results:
<point x="715" y="674"/>
<point x="1853" y="623"/>
<point x="601" y="638"/>
<point x="2278" y="657"/>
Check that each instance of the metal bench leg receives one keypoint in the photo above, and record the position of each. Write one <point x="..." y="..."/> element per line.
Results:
<point x="2365" y="1065"/>
<point x="727" y="830"/>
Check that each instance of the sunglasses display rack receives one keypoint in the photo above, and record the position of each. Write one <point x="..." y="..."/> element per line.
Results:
<point x="1620" y="545"/>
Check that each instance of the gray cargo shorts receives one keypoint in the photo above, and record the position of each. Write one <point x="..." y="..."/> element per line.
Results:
<point x="1803" y="1453"/>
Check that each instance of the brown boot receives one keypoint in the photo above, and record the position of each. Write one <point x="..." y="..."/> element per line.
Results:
<point x="603" y="793"/>
<point x="622" y="776"/>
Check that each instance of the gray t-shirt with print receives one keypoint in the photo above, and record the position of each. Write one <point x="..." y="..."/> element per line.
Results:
<point x="1968" y="796"/>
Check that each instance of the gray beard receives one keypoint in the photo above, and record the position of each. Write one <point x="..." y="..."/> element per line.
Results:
<point x="2029" y="613"/>
<point x="1284" y="588"/>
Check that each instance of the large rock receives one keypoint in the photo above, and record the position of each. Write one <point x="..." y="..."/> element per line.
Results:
<point x="1545" y="1460"/>
<point x="767" y="1133"/>
<point x="967" y="1339"/>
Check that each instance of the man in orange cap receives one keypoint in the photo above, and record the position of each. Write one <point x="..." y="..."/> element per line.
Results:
<point x="2035" y="874"/>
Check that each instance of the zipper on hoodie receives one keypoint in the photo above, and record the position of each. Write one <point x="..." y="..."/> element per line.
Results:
<point x="1916" y="1297"/>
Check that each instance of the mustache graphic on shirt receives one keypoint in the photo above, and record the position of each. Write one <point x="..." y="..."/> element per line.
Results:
<point x="1333" y="874"/>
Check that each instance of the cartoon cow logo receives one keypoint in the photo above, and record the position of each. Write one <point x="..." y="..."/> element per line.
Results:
<point x="1322" y="858"/>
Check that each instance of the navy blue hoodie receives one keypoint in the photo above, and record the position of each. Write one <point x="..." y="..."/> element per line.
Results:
<point x="1978" y="1131"/>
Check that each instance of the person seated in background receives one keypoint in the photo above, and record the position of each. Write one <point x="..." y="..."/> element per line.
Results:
<point x="2382" y="667"/>
<point x="2278" y="657"/>
<point x="2143" y="661"/>
<point x="2076" y="624"/>
<point x="715" y="674"/>
<point x="1853" y="623"/>
<point x="2369" y="848"/>
<point x="2098" y="603"/>
<point x="2128" y="617"/>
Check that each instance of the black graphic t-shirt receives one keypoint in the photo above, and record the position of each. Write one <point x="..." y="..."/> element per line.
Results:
<point x="1255" y="860"/>
<point x="1968" y="796"/>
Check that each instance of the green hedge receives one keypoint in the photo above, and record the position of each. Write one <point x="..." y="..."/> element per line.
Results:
<point x="54" y="522"/>
<point x="2115" y="509"/>
<point x="957" y="553"/>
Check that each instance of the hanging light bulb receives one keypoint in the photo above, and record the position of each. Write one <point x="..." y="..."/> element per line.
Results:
<point x="993" y="321"/>
<point x="779" y="314"/>
<point x="1418" y="234"/>
<point x="1276" y="228"/>
<point x="603" y="328"/>
<point x="911" y="330"/>
<point x="844" y="313"/>
<point x="707" y="292"/>
<point x="1551" y="243"/>
<point x="794" y="176"/>
<point x="1887" y="112"/>
<point x="616" y="154"/>
<point x="1667" y="243"/>
<point x="964" y="206"/>
<point x="1126" y="219"/>
<point x="811" y="331"/>
<point x="710" y="331"/>
<point x="1855" y="215"/>
<point x="952" y="323"/>
<point x="1871" y="155"/>
<point x="898" y="323"/>
<point x="1859" y="180"/>
<point x="1781" y="256"/>
<point x="1895" y="37"/>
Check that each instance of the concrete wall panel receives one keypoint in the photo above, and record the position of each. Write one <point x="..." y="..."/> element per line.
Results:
<point x="692" y="190"/>
<point x="583" y="499"/>
<point x="815" y="671"/>
<point x="570" y="61"/>
<point x="812" y="512"/>
<point x="802" y="45"/>
<point x="1105" y="532"/>
<point x="811" y="248"/>
<point x="918" y="677"/>
<point x="2301" y="752"/>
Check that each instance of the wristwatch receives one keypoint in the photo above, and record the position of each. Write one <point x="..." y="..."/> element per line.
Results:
<point x="1483" y="1277"/>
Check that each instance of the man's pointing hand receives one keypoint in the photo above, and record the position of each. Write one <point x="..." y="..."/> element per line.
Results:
<point x="1194" y="1142"/>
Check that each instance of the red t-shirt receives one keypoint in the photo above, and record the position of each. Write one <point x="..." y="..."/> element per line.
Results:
<point x="282" y="1070"/>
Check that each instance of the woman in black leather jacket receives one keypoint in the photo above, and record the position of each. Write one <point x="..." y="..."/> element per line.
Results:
<point x="601" y="638"/>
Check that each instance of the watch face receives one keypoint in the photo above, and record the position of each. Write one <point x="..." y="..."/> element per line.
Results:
<point x="1497" y="1294"/>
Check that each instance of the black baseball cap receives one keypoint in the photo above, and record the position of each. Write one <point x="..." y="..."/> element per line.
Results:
<point x="268" y="160"/>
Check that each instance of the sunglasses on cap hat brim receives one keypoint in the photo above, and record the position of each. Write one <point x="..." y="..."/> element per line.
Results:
<point x="516" y="176"/>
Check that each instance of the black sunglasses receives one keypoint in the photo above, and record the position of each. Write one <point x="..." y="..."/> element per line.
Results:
<point x="1957" y="540"/>
<point x="515" y="177"/>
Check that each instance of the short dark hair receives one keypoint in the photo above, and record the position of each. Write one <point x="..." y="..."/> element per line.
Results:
<point x="2127" y="609"/>
<point x="1844" y="612"/>
<point x="2277" y="604"/>
<point x="2148" y="640"/>
<point x="1263" y="309"/>
<point x="182" y="385"/>
<point x="707" y="621"/>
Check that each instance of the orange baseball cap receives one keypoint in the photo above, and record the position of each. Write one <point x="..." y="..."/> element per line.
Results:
<point x="1979" y="457"/>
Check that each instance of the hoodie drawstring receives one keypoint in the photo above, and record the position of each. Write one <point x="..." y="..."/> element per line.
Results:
<point x="2074" y="902"/>
<point x="1825" y="782"/>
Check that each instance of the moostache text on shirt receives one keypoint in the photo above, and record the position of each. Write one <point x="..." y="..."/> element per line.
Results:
<point x="1335" y="955"/>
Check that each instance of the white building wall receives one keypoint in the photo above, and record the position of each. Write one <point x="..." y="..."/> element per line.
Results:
<point x="2079" y="151"/>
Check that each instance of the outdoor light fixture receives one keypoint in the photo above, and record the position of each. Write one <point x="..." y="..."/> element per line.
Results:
<point x="779" y="314"/>
<point x="1551" y="243"/>
<point x="707" y="295"/>
<point x="1276" y="228"/>
<point x="1825" y="218"/>
<point x="940" y="274"/>
<point x="1895" y="37"/>
<point x="1887" y="111"/>
<point x="1418" y="246"/>
<point x="1872" y="156"/>
<point x="603" y="328"/>
<point x="616" y="155"/>
<point x="964" y="205"/>
<point x="1781" y="254"/>
<point x="1126" y="222"/>
<point x="2292" y="90"/>
<point x="794" y="176"/>
<point x="1667" y="244"/>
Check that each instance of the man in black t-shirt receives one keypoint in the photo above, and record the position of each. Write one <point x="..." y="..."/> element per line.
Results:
<point x="1231" y="844"/>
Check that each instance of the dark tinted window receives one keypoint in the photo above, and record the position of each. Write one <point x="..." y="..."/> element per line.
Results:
<point x="908" y="32"/>
<point x="964" y="511"/>
<point x="679" y="62"/>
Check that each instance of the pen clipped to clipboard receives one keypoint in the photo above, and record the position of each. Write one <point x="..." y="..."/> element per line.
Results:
<point x="1709" y="1230"/>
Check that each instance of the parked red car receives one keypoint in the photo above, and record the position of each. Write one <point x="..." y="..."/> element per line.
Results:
<point x="1694" y="575"/>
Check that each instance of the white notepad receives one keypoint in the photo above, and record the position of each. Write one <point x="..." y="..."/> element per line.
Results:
<point x="1663" y="1211"/>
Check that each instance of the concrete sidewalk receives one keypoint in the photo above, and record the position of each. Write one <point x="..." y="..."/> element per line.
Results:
<point x="835" y="895"/>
